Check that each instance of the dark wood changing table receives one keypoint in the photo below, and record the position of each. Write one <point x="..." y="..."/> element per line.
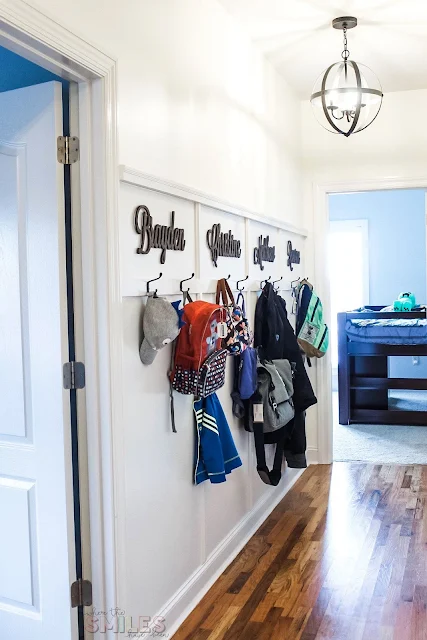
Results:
<point x="363" y="382"/>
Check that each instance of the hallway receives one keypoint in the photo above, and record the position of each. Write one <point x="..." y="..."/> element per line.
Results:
<point x="343" y="556"/>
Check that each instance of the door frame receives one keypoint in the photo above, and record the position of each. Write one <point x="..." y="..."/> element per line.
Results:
<point x="321" y="192"/>
<point x="33" y="35"/>
<point x="353" y="223"/>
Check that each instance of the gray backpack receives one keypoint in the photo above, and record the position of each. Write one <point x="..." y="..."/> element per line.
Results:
<point x="272" y="411"/>
<point x="275" y="388"/>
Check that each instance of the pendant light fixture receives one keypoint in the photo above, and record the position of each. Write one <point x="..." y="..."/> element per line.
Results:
<point x="347" y="97"/>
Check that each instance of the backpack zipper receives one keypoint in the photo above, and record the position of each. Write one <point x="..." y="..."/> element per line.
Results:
<point x="323" y="337"/>
<point x="315" y="309"/>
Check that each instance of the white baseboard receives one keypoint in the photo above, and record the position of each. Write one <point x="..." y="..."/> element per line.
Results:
<point x="312" y="456"/>
<point x="185" y="599"/>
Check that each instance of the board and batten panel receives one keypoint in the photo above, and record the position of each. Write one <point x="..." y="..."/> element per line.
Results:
<point x="137" y="268"/>
<point x="160" y="498"/>
<point x="164" y="510"/>
<point x="227" y="503"/>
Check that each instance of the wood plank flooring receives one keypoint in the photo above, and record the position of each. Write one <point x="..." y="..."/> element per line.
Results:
<point x="343" y="557"/>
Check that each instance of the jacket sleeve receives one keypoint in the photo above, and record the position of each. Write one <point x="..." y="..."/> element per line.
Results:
<point x="210" y="459"/>
<point x="296" y="445"/>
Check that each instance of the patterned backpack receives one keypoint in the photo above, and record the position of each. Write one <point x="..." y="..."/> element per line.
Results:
<point x="199" y="361"/>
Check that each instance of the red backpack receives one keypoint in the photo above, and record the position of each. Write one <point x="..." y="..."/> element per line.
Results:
<point x="199" y="361"/>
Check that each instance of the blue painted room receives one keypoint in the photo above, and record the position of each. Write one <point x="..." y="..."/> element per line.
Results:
<point x="377" y="258"/>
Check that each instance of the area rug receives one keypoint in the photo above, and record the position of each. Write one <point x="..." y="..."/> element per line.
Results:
<point x="386" y="444"/>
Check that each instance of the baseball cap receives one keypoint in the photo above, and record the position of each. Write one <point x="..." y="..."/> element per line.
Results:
<point x="160" y="326"/>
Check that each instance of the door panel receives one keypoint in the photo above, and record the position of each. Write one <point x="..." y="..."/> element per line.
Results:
<point x="12" y="410"/>
<point x="36" y="501"/>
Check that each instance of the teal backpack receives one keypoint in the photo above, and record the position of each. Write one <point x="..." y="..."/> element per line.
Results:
<point x="311" y="330"/>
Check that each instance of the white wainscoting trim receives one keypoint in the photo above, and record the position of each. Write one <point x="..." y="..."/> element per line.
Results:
<point x="312" y="455"/>
<point x="135" y="177"/>
<point x="185" y="599"/>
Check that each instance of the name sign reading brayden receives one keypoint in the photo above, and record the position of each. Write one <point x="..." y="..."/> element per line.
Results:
<point x="158" y="237"/>
<point x="294" y="256"/>
<point x="264" y="253"/>
<point x="222" y="244"/>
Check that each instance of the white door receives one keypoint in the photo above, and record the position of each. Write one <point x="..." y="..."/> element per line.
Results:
<point x="36" y="503"/>
<point x="348" y="272"/>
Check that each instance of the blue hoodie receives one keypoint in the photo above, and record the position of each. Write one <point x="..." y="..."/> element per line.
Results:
<point x="216" y="453"/>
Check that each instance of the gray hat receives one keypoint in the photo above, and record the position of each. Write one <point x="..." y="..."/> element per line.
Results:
<point x="160" y="326"/>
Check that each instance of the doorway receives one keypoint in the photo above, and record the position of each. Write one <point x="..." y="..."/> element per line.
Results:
<point x="368" y="267"/>
<point x="41" y="545"/>
<point x="33" y="603"/>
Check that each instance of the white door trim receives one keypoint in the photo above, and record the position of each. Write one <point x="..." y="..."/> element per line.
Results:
<point x="321" y="190"/>
<point x="30" y="33"/>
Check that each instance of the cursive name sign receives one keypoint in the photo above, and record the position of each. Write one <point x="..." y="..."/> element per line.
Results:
<point x="294" y="256"/>
<point x="264" y="253"/>
<point x="222" y="244"/>
<point x="159" y="236"/>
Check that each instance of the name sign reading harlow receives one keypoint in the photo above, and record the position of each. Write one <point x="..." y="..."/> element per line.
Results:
<point x="222" y="244"/>
<point x="294" y="256"/>
<point x="158" y="237"/>
<point x="264" y="253"/>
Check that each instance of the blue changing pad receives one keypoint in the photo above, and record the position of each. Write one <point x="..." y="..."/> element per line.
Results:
<point x="399" y="331"/>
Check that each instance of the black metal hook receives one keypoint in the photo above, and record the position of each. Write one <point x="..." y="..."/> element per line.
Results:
<point x="228" y="277"/>
<point x="237" y="284"/>
<point x="274" y="281"/>
<point x="185" y="280"/>
<point x="265" y="281"/>
<point x="153" y="280"/>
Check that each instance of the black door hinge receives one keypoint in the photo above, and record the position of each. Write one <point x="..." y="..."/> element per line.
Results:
<point x="74" y="375"/>
<point x="81" y="593"/>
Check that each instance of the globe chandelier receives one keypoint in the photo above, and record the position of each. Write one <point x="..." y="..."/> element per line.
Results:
<point x="347" y="97"/>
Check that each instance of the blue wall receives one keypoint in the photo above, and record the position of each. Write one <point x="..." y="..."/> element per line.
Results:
<point x="16" y="72"/>
<point x="397" y="250"/>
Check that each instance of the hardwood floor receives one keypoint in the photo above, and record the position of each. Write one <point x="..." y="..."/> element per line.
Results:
<point x="343" y="556"/>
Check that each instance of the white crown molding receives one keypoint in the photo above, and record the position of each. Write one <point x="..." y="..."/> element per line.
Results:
<point x="135" y="177"/>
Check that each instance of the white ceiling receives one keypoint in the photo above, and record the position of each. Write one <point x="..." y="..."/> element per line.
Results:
<point x="296" y="35"/>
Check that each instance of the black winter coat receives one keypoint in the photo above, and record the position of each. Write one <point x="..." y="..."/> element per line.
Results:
<point x="275" y="339"/>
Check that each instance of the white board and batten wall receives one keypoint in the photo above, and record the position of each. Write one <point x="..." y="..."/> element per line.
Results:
<point x="178" y="537"/>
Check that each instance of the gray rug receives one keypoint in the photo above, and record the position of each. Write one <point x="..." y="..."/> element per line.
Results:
<point x="385" y="444"/>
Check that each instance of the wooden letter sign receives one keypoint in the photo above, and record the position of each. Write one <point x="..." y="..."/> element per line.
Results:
<point x="222" y="244"/>
<point x="264" y="253"/>
<point x="294" y="256"/>
<point x="159" y="237"/>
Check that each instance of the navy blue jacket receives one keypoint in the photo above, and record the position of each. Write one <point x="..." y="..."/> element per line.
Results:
<point x="216" y="453"/>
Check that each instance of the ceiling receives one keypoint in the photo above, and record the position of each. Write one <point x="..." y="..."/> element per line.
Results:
<point x="296" y="35"/>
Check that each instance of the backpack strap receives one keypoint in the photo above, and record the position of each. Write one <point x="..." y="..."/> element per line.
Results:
<point x="274" y="476"/>
<point x="224" y="293"/>
<point x="240" y="302"/>
<point x="171" y="399"/>
<point x="186" y="297"/>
